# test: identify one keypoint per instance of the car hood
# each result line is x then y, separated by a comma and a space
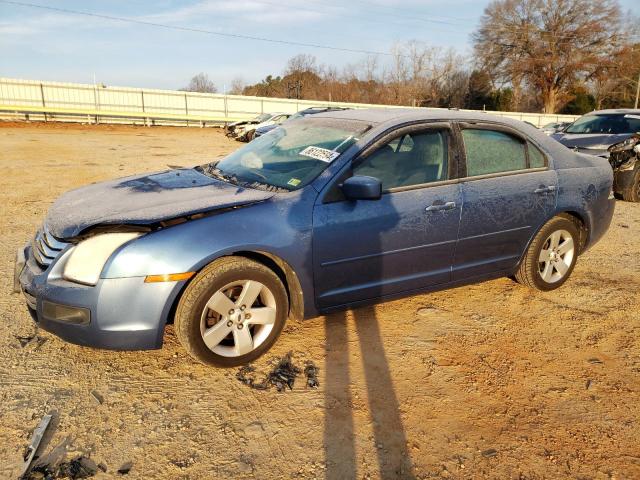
144, 200
241, 122
595, 144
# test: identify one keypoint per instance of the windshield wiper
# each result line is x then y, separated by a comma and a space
215, 172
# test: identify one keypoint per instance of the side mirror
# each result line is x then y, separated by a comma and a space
362, 187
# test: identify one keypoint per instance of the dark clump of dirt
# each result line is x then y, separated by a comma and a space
125, 468
311, 372
282, 375
75, 469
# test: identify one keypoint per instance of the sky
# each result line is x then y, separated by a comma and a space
43, 44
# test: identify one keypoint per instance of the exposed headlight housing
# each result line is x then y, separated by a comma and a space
88, 258
628, 144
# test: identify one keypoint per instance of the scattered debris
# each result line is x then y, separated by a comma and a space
35, 338
595, 360
623, 225
183, 463
246, 374
97, 396
79, 467
311, 372
36, 438
588, 384
282, 375
125, 468
102, 466
491, 452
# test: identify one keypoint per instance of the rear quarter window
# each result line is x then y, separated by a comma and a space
536, 157
489, 151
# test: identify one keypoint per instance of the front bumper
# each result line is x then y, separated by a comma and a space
124, 313
624, 179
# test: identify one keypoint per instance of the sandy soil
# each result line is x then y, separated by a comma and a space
487, 381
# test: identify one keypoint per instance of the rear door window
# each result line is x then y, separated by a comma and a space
490, 151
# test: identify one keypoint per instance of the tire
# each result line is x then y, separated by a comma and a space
251, 135
544, 266
221, 286
632, 194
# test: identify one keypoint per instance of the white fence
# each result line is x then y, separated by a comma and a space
36, 100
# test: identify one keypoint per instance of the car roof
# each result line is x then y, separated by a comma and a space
611, 111
379, 116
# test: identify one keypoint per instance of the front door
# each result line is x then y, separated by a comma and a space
367, 249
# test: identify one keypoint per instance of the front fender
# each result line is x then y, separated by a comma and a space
280, 227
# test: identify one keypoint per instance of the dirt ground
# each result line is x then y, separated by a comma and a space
487, 381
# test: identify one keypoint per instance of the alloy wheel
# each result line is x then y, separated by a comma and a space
238, 318
556, 256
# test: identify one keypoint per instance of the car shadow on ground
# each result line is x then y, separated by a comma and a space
390, 438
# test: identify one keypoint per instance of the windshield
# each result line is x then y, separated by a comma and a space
290, 156
610, 123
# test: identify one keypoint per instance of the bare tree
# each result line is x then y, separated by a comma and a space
547, 43
237, 86
201, 83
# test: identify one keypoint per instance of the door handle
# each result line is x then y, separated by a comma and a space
441, 206
544, 189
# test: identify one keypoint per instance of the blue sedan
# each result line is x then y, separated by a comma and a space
329, 212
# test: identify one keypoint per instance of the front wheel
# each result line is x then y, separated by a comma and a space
232, 312
551, 256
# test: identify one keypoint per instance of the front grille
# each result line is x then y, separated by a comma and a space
46, 247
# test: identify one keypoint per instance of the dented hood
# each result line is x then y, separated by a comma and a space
592, 143
144, 200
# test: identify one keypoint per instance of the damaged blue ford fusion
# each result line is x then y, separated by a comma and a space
327, 212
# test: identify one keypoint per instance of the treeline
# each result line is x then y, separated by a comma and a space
553, 56
562, 56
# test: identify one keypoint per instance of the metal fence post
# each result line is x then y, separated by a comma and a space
95, 101
186, 108
42, 99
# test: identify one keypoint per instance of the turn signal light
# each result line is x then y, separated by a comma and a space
169, 277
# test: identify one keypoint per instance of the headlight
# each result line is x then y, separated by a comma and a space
87, 259
628, 144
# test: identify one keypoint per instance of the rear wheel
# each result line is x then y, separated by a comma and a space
232, 312
632, 194
551, 256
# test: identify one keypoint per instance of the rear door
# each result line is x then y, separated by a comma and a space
508, 192
366, 249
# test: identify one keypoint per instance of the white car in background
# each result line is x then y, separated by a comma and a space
245, 133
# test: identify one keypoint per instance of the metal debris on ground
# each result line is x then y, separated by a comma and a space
282, 375
491, 452
98, 397
311, 372
36, 438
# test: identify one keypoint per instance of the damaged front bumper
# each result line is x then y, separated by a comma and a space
624, 174
116, 313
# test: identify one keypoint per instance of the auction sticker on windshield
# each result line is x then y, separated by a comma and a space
319, 153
